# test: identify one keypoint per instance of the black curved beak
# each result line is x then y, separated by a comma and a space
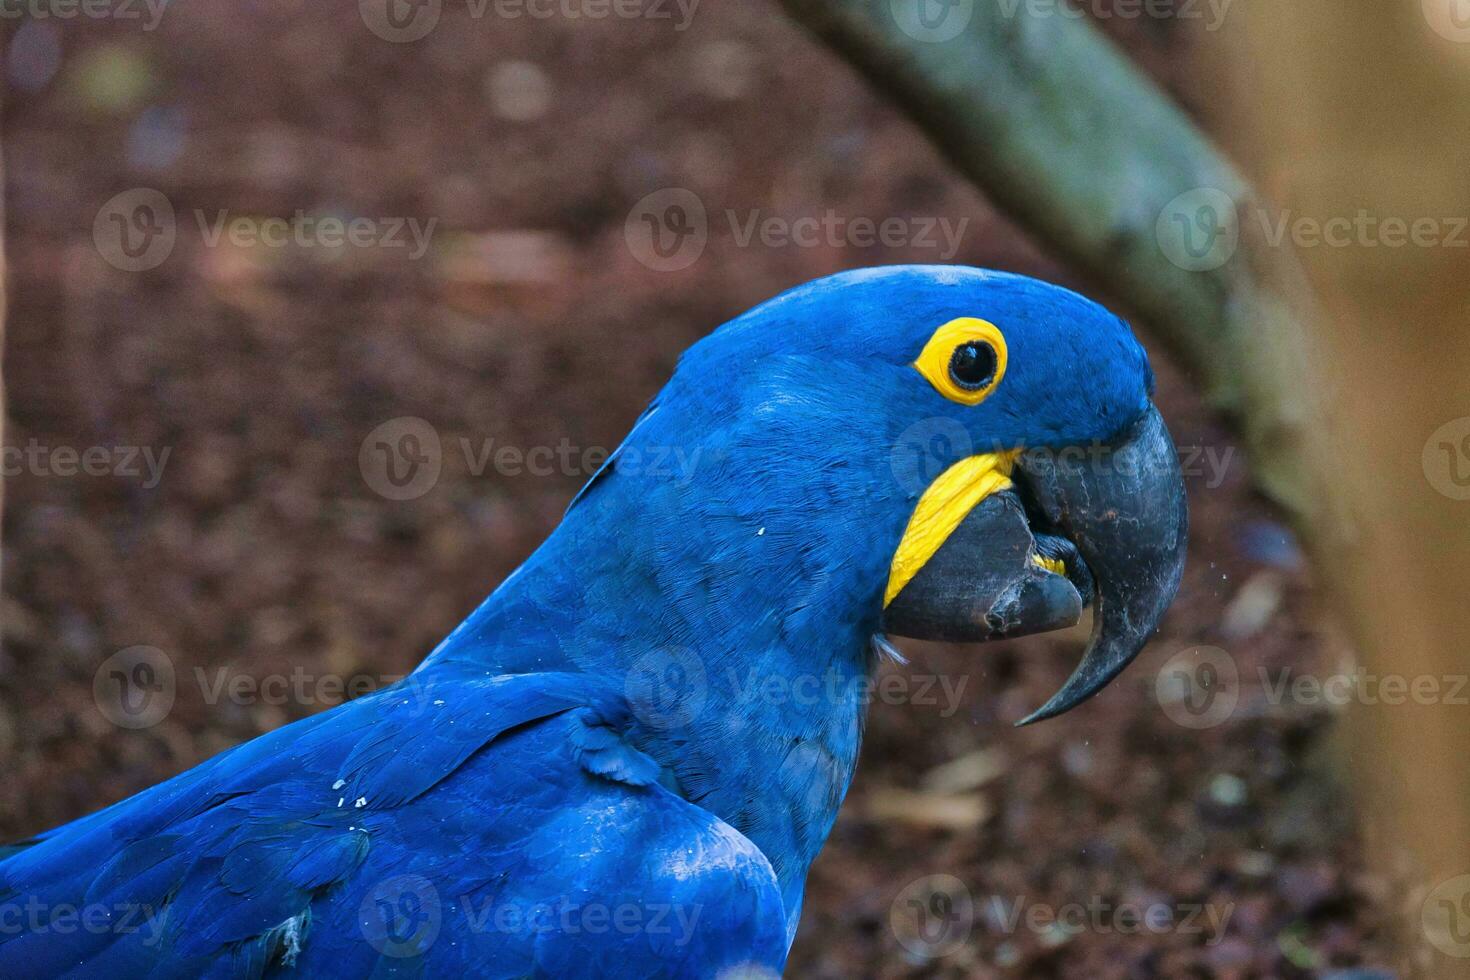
1123, 506
1103, 525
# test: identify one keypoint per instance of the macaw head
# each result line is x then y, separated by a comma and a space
939, 452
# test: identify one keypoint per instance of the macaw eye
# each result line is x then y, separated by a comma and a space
964, 360
972, 364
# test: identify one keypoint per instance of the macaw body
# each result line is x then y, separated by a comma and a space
624, 762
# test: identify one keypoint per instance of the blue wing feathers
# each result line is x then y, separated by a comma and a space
501, 801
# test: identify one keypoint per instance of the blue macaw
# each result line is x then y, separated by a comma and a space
579, 780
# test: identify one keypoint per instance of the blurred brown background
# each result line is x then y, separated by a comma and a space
529, 320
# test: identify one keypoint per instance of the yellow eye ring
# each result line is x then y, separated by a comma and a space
964, 360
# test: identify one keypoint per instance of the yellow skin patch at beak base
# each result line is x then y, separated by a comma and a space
951, 497
1054, 565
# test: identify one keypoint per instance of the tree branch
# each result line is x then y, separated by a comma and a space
1070, 139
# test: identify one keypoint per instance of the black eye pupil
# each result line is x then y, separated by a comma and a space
973, 364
